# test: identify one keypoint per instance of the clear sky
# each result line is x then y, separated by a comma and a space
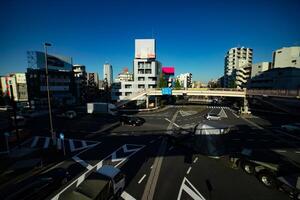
191, 35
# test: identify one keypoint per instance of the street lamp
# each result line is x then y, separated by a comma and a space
53, 136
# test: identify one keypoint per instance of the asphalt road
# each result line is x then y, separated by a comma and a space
156, 168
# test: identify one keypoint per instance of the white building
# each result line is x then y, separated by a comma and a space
286, 57
185, 80
108, 73
19, 86
258, 68
145, 71
237, 61
125, 75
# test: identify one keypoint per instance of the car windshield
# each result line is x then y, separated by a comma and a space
164, 100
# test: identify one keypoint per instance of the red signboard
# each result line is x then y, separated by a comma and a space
168, 70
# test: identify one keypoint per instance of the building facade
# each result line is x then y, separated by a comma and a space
258, 68
146, 70
185, 80
237, 62
17, 82
108, 73
80, 82
286, 57
125, 75
277, 78
61, 80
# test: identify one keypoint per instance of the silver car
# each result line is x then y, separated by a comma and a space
212, 116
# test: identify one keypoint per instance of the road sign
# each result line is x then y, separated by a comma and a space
61, 136
166, 91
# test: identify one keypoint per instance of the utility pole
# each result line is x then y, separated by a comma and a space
53, 136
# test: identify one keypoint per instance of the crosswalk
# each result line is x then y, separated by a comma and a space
71, 145
220, 107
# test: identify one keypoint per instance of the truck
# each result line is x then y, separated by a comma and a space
98, 107
271, 169
106, 183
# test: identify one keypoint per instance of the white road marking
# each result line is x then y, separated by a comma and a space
170, 148
127, 196
142, 179
152, 141
187, 186
188, 171
195, 160
172, 123
47, 141
280, 151
151, 167
83, 142
297, 151
71, 143
82, 162
34, 141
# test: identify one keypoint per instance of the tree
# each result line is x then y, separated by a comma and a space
177, 84
162, 82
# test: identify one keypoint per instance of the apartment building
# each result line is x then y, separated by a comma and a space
286, 57
185, 80
238, 60
146, 70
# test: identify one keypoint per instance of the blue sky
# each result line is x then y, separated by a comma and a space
191, 35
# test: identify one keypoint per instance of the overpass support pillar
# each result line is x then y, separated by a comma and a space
156, 103
245, 108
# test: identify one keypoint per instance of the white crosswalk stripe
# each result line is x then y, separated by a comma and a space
71, 145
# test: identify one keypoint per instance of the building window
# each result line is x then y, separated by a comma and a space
141, 78
128, 93
294, 61
141, 86
141, 71
128, 86
148, 71
279, 51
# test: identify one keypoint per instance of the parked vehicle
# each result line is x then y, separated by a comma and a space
42, 185
293, 128
107, 108
106, 183
131, 120
271, 169
212, 116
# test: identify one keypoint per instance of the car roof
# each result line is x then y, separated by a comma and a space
109, 171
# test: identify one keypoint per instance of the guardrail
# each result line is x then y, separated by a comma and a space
275, 92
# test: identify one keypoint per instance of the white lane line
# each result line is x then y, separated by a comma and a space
142, 179
34, 141
151, 167
82, 162
83, 143
188, 171
58, 143
152, 141
280, 151
297, 151
170, 148
195, 160
172, 123
47, 141
71, 143
284, 133
127, 196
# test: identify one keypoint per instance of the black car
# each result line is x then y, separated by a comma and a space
41, 186
130, 120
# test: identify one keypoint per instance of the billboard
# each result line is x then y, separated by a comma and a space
168, 70
166, 91
145, 48
55, 62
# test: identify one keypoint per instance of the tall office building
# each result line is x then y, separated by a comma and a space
146, 70
237, 70
108, 73
286, 57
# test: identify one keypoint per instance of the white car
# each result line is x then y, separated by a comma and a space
212, 116
295, 127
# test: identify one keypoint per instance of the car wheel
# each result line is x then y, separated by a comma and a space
267, 179
247, 167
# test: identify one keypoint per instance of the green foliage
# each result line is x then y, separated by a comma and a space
162, 82
177, 84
